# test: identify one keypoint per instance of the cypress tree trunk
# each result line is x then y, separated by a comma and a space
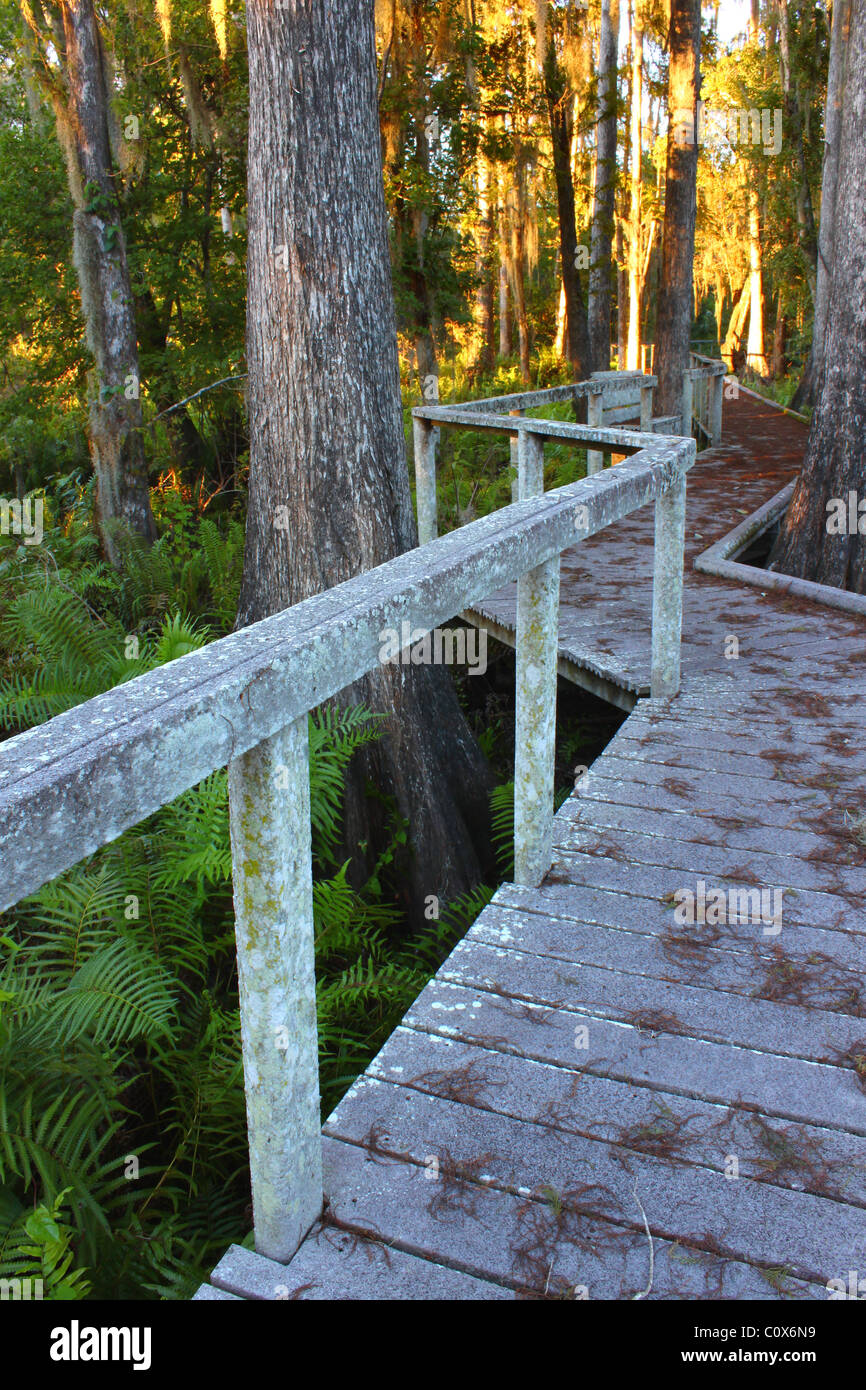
601, 267
99, 252
634, 221
823, 535
674, 321
559, 106
806, 391
327, 442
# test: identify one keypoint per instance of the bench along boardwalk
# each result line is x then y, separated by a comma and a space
595, 1097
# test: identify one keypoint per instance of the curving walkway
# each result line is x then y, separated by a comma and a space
593, 1098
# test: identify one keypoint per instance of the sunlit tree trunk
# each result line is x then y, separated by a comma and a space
674, 319
621, 299
604, 191
506, 345
484, 318
517, 216
755, 355
732, 347
560, 105
634, 225
328, 488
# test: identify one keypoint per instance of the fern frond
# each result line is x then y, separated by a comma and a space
117, 996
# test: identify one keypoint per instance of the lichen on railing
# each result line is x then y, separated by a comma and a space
81, 779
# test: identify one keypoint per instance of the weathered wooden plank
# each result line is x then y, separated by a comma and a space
746, 963
659, 883
499, 1237
687, 1009
788, 1087
562, 1101
335, 1265
746, 868
814, 1237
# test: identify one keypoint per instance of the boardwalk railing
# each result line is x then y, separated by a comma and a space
78, 781
703, 383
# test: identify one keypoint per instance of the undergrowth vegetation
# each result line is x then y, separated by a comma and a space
123, 1148
123, 1160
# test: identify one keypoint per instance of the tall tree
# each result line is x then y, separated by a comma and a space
755, 356
823, 535
674, 317
604, 191
326, 426
560, 109
73, 71
806, 390
636, 157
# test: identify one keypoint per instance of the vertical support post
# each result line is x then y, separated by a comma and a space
424, 435
513, 445
535, 724
595, 420
530, 464
670, 524
269, 809
717, 387
687, 403
646, 408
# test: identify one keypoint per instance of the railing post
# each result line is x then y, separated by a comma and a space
514, 447
646, 408
530, 465
595, 420
535, 723
716, 388
687, 403
670, 522
269, 805
424, 435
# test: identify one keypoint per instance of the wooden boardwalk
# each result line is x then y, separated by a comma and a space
592, 1098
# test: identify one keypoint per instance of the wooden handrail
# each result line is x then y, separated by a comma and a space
78, 781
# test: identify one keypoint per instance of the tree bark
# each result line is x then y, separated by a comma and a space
778, 365
484, 318
559, 107
601, 239
329, 490
516, 213
806, 232
99, 253
806, 391
732, 347
634, 222
755, 356
823, 537
674, 318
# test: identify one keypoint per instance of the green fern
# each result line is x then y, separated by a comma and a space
35, 1250
502, 827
